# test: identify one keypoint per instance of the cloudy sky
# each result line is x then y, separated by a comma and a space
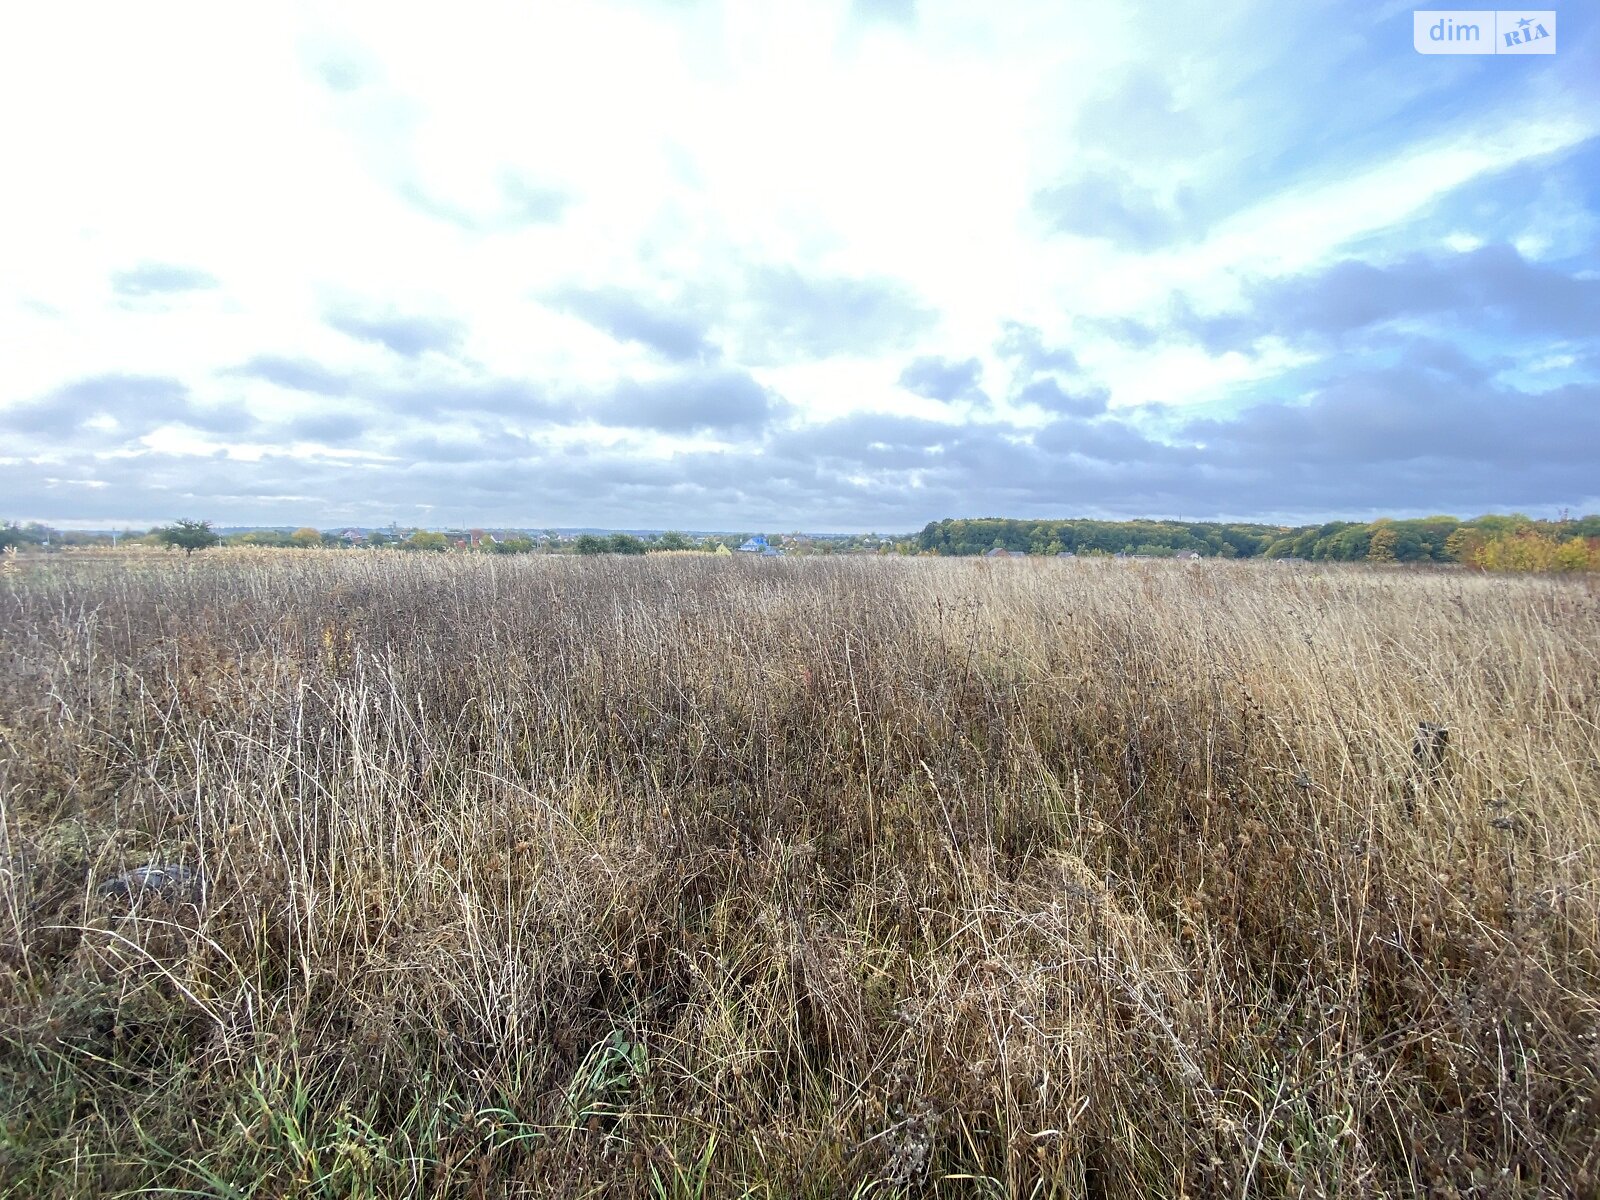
829, 266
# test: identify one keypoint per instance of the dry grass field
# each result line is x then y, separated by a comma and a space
821, 878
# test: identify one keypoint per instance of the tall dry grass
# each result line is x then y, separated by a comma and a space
815, 878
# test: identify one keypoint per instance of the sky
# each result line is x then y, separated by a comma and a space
833, 266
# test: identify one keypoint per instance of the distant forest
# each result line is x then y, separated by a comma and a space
1426, 539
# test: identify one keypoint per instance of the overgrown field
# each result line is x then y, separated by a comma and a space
687, 877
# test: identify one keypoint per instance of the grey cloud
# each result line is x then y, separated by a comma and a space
1420, 437
1130, 332
296, 374
696, 400
992, 467
678, 336
1493, 282
1107, 441
155, 486
895, 472
943, 378
159, 279
1433, 432
794, 317
1433, 354
70, 406
1023, 345
421, 398
1024, 348
1218, 332
227, 420
513, 399
431, 448
1049, 395
869, 439
407, 336
1108, 203
1387, 416
329, 427
592, 485
966, 461
138, 403
1492, 287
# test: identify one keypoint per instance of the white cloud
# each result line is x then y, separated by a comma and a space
466, 166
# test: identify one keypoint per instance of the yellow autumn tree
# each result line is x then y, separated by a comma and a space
1575, 554
1381, 548
1463, 545
1529, 550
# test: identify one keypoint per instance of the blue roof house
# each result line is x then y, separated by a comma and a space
756, 545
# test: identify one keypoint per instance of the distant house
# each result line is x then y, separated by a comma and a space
354, 536
1186, 555
999, 553
1065, 554
756, 545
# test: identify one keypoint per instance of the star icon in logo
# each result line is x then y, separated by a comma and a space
1524, 23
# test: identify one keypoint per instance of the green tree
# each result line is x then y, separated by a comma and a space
426, 539
187, 535
588, 543
1507, 523
511, 545
624, 543
673, 540
1462, 544
12, 534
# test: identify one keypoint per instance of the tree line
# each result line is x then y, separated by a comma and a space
1495, 542
190, 535
1490, 542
